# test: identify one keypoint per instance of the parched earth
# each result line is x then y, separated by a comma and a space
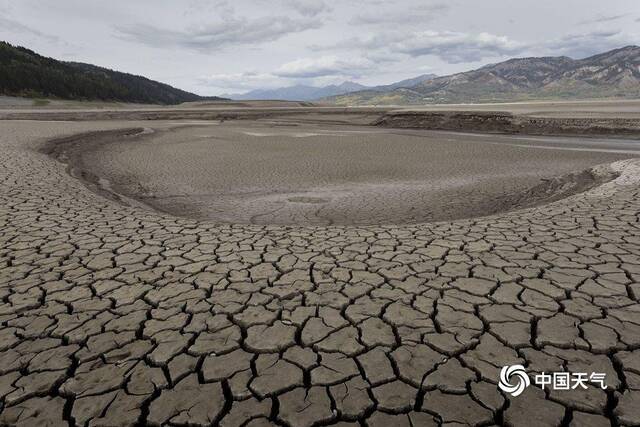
113, 315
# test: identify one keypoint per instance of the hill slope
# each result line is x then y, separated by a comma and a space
25, 73
610, 74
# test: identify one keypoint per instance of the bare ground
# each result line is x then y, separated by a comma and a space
308, 173
123, 316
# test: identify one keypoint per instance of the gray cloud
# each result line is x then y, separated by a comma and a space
450, 46
200, 7
586, 44
9, 25
264, 43
229, 32
456, 47
609, 18
310, 8
602, 19
415, 15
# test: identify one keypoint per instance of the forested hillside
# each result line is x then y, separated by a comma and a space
25, 73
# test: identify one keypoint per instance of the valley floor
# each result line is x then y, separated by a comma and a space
114, 314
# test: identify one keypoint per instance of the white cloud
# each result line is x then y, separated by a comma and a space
241, 81
314, 71
324, 66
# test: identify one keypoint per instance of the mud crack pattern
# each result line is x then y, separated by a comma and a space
115, 316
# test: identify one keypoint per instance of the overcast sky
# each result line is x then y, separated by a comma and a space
220, 46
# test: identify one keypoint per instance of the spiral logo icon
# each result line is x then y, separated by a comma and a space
519, 376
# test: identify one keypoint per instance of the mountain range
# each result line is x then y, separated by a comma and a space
313, 93
613, 74
25, 73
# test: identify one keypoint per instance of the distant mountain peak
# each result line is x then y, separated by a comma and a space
313, 93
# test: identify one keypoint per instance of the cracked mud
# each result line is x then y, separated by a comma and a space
113, 315
275, 172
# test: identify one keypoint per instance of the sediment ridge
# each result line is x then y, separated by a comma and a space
503, 122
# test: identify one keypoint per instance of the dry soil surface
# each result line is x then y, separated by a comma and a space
117, 315
274, 172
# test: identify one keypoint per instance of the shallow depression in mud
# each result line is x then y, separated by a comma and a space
319, 174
